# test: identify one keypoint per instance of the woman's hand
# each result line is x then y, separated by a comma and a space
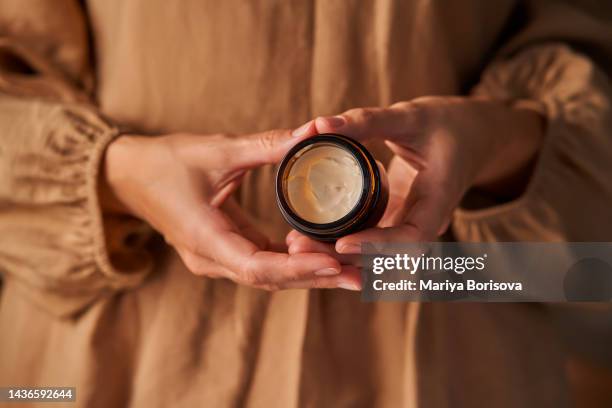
181, 185
443, 146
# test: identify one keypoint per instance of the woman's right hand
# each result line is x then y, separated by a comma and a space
181, 185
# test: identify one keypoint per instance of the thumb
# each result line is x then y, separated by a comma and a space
426, 208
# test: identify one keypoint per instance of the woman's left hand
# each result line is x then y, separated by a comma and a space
443, 146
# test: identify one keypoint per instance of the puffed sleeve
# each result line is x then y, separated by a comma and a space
557, 66
56, 247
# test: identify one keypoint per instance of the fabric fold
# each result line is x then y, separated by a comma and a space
574, 97
52, 236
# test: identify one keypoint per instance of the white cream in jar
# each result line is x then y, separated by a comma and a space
329, 186
324, 183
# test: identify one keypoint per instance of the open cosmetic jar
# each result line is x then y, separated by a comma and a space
329, 186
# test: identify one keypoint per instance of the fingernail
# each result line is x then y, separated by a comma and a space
327, 272
302, 130
349, 286
350, 249
334, 121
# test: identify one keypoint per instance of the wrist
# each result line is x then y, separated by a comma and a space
115, 168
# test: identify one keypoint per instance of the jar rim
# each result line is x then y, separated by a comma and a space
369, 192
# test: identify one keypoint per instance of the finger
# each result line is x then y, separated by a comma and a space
430, 215
306, 130
403, 149
426, 214
394, 211
270, 147
349, 279
251, 265
277, 268
293, 234
229, 153
244, 225
401, 176
428, 206
202, 266
351, 244
260, 148
229, 186
368, 123
305, 244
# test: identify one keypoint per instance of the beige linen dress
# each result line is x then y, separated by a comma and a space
88, 301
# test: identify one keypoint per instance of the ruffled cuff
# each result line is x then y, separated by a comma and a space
569, 192
53, 245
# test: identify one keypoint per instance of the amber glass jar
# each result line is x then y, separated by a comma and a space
329, 186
